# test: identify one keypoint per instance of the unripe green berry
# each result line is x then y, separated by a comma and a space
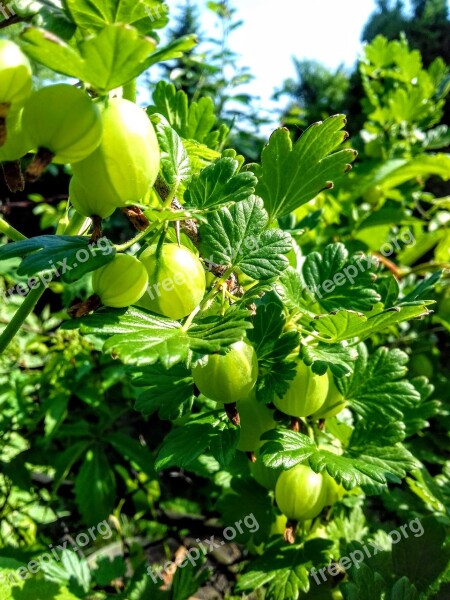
121, 282
176, 281
125, 165
15, 75
87, 203
230, 377
64, 121
334, 402
306, 393
17, 142
300, 493
255, 419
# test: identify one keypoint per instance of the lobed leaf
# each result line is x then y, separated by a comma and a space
293, 175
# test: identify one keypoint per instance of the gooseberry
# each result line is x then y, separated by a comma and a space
255, 419
334, 402
18, 142
63, 124
230, 377
126, 163
263, 475
306, 393
88, 203
120, 282
300, 493
176, 280
15, 82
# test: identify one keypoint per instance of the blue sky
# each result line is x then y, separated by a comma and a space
275, 30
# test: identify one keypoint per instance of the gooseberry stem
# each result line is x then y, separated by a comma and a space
27, 305
21, 314
137, 238
10, 231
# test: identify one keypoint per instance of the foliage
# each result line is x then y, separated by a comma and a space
103, 430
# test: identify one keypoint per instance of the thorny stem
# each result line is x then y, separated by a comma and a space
137, 238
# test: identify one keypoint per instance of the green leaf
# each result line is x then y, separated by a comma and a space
403, 589
174, 49
72, 571
110, 59
377, 390
95, 487
47, 15
114, 57
194, 121
245, 498
407, 555
415, 417
139, 337
422, 166
437, 138
170, 392
337, 283
366, 583
109, 569
133, 451
175, 163
273, 345
336, 357
368, 433
372, 465
51, 51
219, 184
285, 569
238, 237
424, 288
183, 445
69, 257
347, 324
146, 15
285, 449
188, 580
294, 175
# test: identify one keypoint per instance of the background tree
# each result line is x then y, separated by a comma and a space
316, 93
427, 28
214, 70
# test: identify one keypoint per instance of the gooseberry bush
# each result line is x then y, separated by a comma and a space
222, 339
